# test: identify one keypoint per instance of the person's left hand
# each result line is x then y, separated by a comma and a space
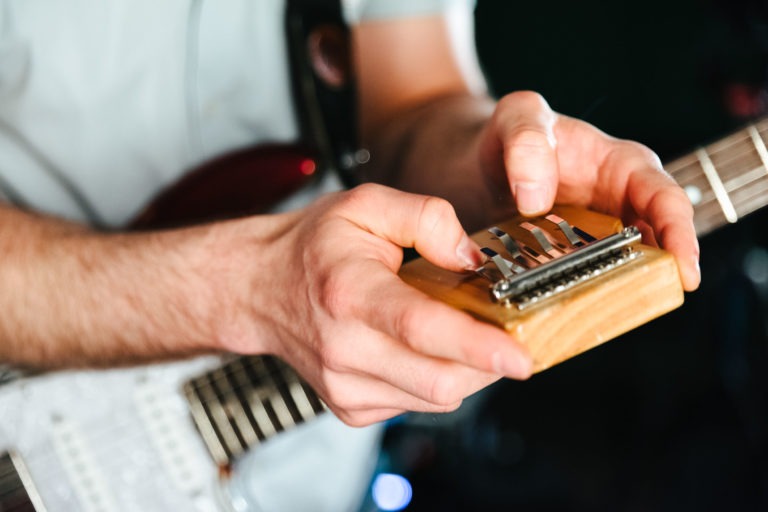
547, 157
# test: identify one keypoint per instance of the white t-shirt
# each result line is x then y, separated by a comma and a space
111, 101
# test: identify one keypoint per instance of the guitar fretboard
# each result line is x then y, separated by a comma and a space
246, 401
726, 180
16, 490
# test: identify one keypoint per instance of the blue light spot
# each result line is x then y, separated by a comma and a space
391, 492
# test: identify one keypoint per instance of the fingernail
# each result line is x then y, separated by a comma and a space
697, 268
531, 197
469, 252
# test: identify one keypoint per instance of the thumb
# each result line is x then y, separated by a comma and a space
425, 223
525, 131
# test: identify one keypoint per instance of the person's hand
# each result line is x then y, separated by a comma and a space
331, 304
543, 157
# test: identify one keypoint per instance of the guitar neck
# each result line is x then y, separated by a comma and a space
726, 180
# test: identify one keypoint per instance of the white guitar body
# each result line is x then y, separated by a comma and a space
110, 440
124, 440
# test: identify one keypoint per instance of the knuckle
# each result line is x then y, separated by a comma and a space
359, 196
644, 152
435, 212
337, 396
330, 356
326, 356
529, 140
336, 296
405, 324
638, 155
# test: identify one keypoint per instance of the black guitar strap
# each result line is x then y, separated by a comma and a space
323, 84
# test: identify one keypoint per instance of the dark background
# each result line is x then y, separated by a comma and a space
674, 415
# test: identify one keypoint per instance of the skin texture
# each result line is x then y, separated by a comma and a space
318, 286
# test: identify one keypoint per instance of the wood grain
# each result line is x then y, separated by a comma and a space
579, 319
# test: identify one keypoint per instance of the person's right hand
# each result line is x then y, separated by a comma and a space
327, 299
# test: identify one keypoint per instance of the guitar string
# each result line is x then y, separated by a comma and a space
701, 183
700, 178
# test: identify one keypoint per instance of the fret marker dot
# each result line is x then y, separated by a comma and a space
694, 194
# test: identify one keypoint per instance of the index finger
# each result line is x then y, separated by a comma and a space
658, 200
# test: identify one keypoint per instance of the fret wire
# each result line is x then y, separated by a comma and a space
734, 164
242, 421
715, 149
717, 186
254, 371
725, 146
728, 142
313, 398
277, 400
245, 383
759, 143
266, 403
259, 407
303, 405
690, 175
749, 135
263, 419
743, 182
220, 383
204, 425
284, 384
274, 366
201, 414
218, 416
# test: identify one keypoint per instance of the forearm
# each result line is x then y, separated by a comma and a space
434, 150
73, 297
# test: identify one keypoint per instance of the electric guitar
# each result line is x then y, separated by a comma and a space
173, 436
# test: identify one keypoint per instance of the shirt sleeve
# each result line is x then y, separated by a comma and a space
356, 11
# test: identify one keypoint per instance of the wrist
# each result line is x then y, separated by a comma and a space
237, 264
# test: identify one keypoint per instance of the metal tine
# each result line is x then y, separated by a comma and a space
513, 248
584, 235
532, 253
561, 223
509, 243
507, 268
543, 240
